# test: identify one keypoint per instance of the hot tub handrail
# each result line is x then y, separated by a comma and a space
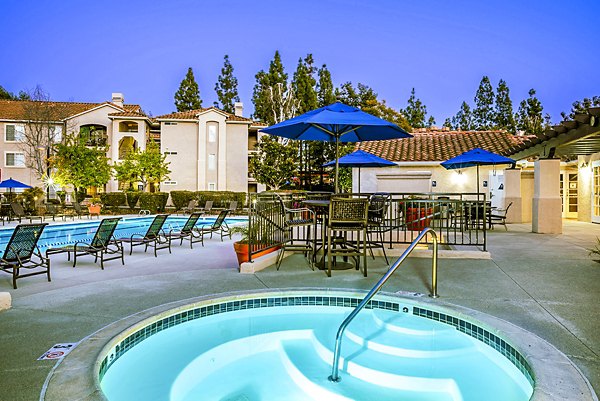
338, 338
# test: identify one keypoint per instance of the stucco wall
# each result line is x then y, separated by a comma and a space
180, 138
237, 157
527, 189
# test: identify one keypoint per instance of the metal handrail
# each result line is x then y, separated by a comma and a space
338, 338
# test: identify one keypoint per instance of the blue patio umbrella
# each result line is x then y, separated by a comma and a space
360, 158
10, 184
337, 123
476, 157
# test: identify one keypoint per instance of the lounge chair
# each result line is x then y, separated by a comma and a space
188, 232
498, 216
19, 251
192, 205
220, 226
154, 236
232, 207
102, 244
207, 207
79, 211
51, 210
19, 213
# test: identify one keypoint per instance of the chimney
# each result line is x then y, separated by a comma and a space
239, 109
117, 98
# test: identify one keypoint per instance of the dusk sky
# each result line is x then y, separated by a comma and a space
85, 50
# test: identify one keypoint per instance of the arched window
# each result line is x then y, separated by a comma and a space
128, 126
94, 134
127, 145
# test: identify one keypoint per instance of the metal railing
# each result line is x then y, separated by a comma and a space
265, 224
340, 333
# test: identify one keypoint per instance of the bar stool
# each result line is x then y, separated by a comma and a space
296, 221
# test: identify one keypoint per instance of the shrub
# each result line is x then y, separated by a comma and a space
154, 201
181, 199
221, 199
113, 199
132, 198
61, 196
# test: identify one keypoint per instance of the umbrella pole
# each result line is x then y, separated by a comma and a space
478, 182
337, 163
359, 180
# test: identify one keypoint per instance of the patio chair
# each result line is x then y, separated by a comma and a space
19, 213
346, 216
190, 207
79, 211
187, 231
378, 207
207, 207
297, 227
21, 248
104, 243
220, 226
154, 236
498, 216
233, 205
51, 210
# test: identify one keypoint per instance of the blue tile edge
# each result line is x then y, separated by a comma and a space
313, 300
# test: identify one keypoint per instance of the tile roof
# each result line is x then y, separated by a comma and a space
16, 109
128, 114
443, 145
193, 115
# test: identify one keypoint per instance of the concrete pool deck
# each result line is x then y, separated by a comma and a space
546, 284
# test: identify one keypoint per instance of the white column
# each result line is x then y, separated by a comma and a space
547, 205
512, 193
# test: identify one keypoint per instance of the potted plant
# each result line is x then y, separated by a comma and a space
250, 235
94, 206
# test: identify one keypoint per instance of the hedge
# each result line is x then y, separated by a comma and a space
221, 199
154, 201
132, 198
181, 199
113, 199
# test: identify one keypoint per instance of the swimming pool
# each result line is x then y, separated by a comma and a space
55, 235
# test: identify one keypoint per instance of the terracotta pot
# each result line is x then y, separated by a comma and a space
94, 209
242, 252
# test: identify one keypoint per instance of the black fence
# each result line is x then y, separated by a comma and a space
460, 219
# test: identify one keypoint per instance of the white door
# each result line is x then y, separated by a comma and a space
496, 187
569, 193
596, 191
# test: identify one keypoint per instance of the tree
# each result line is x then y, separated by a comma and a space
80, 165
227, 88
463, 120
269, 91
274, 163
187, 96
325, 92
44, 125
304, 84
483, 113
529, 117
416, 112
22, 95
503, 115
581, 106
147, 167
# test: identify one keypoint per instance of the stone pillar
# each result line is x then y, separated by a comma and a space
512, 193
547, 205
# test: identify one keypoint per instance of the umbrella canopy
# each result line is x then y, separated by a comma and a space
10, 183
476, 157
337, 123
360, 158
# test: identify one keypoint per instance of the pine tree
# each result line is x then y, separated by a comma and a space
529, 117
503, 115
227, 88
416, 112
266, 82
581, 106
304, 85
463, 120
325, 92
483, 113
447, 123
187, 96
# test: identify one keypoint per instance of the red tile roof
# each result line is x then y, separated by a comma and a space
193, 115
443, 145
16, 109
128, 114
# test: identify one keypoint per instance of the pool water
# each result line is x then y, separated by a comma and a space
67, 234
285, 353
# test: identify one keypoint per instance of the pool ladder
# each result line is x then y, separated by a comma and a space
340, 333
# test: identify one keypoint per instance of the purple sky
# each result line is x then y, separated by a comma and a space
83, 51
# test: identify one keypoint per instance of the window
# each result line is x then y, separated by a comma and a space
14, 132
170, 123
56, 133
212, 132
212, 162
170, 182
128, 126
212, 186
14, 159
170, 153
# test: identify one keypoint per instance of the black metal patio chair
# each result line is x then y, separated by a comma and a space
154, 237
104, 243
187, 232
377, 226
297, 231
19, 213
22, 252
220, 226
